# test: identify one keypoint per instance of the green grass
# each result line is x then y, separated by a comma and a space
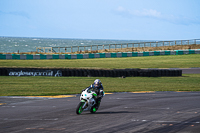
36, 86
32, 86
169, 61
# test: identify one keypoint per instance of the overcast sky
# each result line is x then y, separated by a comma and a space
101, 19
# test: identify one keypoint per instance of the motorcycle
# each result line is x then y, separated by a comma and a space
87, 101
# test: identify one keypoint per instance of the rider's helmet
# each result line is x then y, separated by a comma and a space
97, 83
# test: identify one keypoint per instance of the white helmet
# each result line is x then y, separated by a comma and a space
97, 83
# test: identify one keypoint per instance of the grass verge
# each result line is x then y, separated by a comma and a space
41, 86
169, 61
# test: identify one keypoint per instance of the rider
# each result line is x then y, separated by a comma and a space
98, 88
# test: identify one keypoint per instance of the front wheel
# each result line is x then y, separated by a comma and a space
79, 108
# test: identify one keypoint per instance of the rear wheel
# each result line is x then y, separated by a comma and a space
79, 108
93, 109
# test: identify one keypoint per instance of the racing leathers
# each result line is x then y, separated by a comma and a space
98, 91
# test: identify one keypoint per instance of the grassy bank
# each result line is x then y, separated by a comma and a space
130, 49
32, 86
169, 61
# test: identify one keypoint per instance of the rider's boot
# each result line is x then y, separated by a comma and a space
98, 101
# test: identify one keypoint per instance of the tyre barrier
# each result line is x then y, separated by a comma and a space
96, 55
89, 72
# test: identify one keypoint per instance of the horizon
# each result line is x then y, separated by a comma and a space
101, 20
98, 39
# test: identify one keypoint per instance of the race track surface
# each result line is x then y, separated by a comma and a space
156, 112
190, 70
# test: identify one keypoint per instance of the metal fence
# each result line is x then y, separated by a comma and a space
90, 48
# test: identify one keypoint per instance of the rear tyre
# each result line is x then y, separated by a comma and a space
93, 109
79, 108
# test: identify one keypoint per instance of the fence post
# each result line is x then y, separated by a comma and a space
121, 46
115, 46
71, 49
91, 48
103, 47
78, 48
175, 43
97, 47
163, 43
109, 46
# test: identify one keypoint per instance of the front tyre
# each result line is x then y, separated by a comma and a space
79, 108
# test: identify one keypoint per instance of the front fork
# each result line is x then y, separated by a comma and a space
85, 102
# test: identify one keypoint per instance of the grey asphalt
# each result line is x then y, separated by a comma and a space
157, 112
190, 70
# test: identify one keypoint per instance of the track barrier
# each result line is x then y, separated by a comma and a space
97, 55
89, 72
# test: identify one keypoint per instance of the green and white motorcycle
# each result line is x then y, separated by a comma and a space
87, 102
